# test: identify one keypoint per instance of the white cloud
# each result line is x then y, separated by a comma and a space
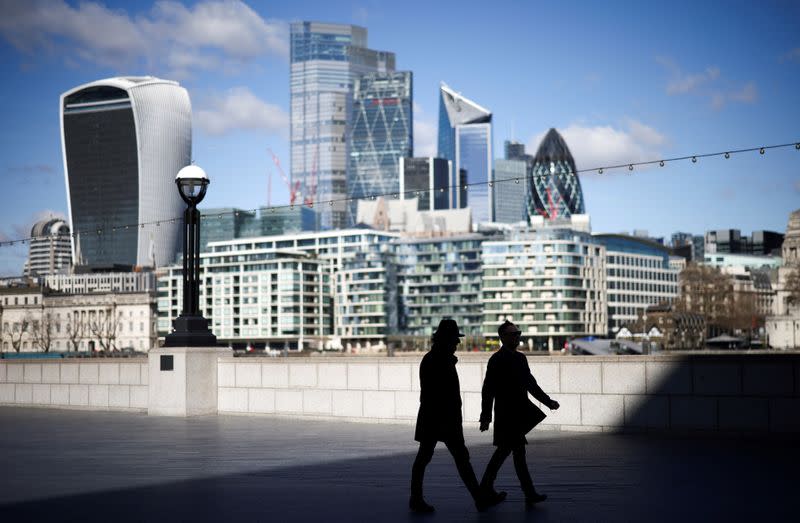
792, 56
170, 35
605, 145
425, 137
687, 83
238, 108
708, 84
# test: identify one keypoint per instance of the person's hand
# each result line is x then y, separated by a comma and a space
554, 405
484, 426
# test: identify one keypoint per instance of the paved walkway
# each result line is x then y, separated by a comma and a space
98, 466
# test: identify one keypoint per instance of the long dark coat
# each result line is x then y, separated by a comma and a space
439, 417
508, 382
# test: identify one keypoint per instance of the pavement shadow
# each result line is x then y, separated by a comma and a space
600, 477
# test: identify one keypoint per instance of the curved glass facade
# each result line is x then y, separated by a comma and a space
554, 188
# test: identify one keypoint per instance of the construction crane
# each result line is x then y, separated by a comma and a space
294, 190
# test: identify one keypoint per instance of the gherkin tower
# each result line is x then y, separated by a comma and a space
554, 190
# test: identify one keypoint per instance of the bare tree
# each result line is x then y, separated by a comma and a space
104, 325
706, 291
76, 329
42, 330
15, 332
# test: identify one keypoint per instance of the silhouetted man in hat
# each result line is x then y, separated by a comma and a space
439, 417
507, 384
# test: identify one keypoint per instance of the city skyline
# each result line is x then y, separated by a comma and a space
689, 86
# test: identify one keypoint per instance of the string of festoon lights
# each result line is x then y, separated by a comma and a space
694, 158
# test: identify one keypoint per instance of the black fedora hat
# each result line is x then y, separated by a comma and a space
448, 328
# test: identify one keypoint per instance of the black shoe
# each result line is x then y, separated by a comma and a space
418, 505
532, 499
489, 499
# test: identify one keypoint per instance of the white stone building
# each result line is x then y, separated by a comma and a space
36, 319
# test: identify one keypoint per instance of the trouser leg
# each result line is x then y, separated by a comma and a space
521, 466
424, 456
496, 461
461, 456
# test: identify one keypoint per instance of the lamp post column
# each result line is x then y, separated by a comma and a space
190, 329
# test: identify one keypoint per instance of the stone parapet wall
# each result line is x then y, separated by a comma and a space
96, 384
730, 393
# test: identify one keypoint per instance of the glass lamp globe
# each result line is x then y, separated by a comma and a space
192, 182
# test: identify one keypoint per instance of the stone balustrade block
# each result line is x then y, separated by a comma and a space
624, 378
98, 395
119, 396
23, 394
248, 374
275, 375
332, 376
349, 403
129, 374
41, 394
32, 373
394, 376
750, 414
7, 391
289, 401
51, 373
605, 410
69, 372
716, 379
226, 374
79, 395
546, 374
362, 376
470, 376
406, 404
317, 402
232, 399
693, 412
15, 373
88, 373
379, 405
302, 375
139, 397
109, 374
765, 379
261, 401
668, 377
59, 394
581, 378
647, 411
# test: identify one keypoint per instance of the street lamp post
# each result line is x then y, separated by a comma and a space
190, 329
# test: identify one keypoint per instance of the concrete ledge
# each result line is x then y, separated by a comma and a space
33, 373
332, 376
396, 376
717, 379
581, 378
624, 378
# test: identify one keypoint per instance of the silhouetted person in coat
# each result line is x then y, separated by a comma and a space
508, 382
439, 417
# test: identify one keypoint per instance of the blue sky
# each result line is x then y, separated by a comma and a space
622, 81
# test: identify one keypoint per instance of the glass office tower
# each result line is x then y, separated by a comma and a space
381, 134
465, 138
424, 179
326, 59
509, 190
554, 188
124, 140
